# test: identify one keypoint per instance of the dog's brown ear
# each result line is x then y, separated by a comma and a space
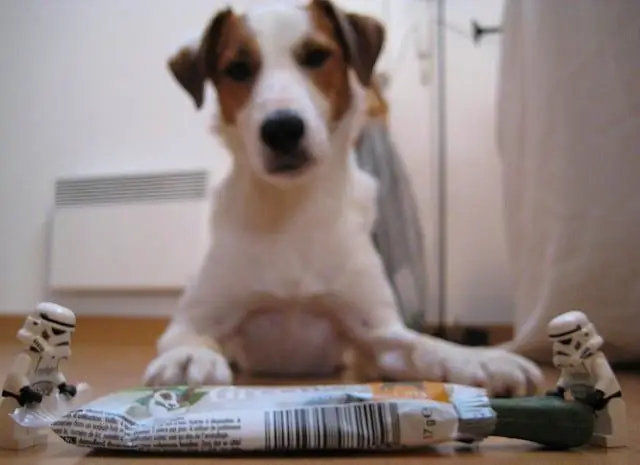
361, 37
189, 66
186, 69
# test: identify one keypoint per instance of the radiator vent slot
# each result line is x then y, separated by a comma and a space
163, 187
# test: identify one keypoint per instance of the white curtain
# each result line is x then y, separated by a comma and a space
569, 140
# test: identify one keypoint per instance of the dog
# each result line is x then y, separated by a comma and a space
292, 280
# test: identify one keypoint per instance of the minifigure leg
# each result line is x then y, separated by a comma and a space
22, 438
38, 436
611, 425
12, 435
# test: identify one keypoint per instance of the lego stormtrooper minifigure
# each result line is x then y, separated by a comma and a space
34, 375
587, 375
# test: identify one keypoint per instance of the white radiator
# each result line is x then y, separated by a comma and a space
129, 233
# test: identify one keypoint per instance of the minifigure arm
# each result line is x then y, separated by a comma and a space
60, 379
561, 386
562, 380
17, 377
28, 339
63, 387
605, 378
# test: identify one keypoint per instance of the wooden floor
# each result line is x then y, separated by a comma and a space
108, 368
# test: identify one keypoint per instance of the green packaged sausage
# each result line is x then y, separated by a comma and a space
549, 421
383, 416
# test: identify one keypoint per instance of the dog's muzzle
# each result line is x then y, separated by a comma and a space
282, 131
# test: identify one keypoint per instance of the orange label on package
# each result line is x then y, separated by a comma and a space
410, 390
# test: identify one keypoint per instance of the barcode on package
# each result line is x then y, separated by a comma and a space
352, 426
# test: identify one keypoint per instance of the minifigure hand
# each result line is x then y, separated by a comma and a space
595, 399
29, 396
43, 347
557, 392
67, 389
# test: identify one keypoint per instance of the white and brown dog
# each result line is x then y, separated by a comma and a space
292, 279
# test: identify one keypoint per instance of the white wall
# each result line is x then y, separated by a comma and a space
86, 91
478, 279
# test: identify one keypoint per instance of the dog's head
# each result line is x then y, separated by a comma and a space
289, 81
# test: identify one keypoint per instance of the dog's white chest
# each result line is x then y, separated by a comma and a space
288, 280
289, 342
295, 268
287, 331
282, 284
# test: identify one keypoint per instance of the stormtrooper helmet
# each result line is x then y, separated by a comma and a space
168, 400
574, 337
48, 329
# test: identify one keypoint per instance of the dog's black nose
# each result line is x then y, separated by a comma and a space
282, 131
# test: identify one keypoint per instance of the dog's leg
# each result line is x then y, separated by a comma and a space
188, 351
370, 317
187, 357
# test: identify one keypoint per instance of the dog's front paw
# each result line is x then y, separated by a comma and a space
501, 372
193, 366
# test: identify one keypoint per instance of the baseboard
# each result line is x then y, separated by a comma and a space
144, 331
99, 330
492, 334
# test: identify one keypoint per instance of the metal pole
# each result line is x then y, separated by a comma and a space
442, 167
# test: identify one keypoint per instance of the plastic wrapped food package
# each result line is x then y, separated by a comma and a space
379, 416
226, 419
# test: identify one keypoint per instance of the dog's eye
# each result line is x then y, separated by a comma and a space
315, 57
239, 71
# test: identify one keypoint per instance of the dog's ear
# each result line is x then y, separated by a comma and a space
361, 37
189, 65
186, 69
